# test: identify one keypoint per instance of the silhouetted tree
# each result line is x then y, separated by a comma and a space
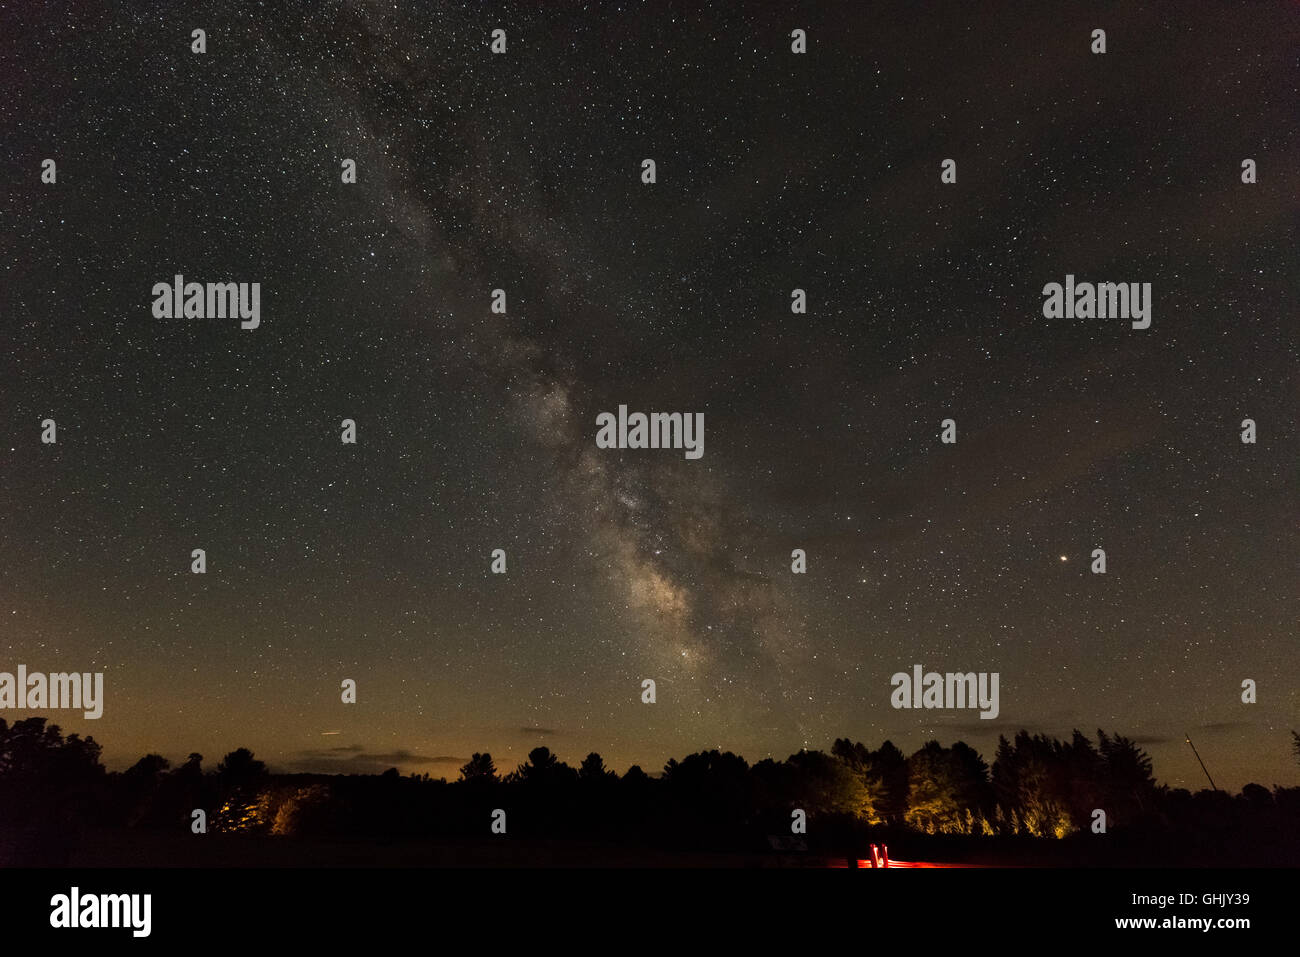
593, 769
240, 768
185, 789
635, 787
479, 769
709, 794
856, 755
1039, 785
888, 768
49, 788
1130, 786
142, 783
1084, 778
970, 777
1257, 797
543, 767
148, 768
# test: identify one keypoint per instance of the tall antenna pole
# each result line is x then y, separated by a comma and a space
1199, 761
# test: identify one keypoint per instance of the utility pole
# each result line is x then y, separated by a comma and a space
1199, 761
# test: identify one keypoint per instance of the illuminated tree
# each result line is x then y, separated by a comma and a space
1030, 784
946, 789
828, 783
243, 807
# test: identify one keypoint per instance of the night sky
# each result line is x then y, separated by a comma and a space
475, 431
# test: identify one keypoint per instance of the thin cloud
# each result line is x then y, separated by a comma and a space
354, 759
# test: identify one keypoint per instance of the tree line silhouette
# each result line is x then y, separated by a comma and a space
53, 788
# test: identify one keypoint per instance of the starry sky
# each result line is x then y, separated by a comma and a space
476, 430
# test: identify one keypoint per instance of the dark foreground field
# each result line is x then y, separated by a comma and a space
104, 847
